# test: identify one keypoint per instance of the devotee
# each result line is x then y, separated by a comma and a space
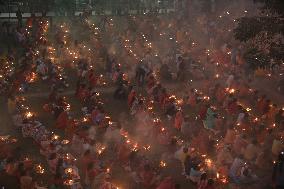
278, 172
26, 181
96, 138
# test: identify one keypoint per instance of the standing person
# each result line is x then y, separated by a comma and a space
140, 74
278, 172
19, 15
180, 69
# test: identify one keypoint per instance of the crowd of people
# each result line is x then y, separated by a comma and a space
188, 115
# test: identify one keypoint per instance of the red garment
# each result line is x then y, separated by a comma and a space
91, 174
123, 153
85, 161
151, 83
233, 108
70, 129
62, 120
83, 93
178, 120
131, 98
167, 183
93, 81
147, 177
202, 112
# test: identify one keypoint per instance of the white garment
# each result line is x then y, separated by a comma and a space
92, 132
240, 118
229, 81
41, 68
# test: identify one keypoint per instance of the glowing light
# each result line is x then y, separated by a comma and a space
29, 115
163, 164
39, 169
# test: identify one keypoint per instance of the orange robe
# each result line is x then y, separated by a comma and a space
62, 120
178, 120
131, 97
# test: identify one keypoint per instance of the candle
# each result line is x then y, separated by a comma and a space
29, 115
69, 182
163, 164
69, 171
39, 169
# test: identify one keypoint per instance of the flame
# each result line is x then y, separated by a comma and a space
69, 171
29, 115
163, 164
39, 169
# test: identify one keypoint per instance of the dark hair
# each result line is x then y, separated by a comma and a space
90, 166
52, 156
147, 167
203, 176
177, 186
185, 150
87, 152
210, 182
281, 161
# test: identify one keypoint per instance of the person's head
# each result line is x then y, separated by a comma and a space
52, 156
203, 176
281, 157
254, 142
87, 153
210, 182
195, 167
90, 166
10, 160
60, 162
147, 167
185, 150
246, 172
186, 118
177, 186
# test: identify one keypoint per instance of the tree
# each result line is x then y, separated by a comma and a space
263, 34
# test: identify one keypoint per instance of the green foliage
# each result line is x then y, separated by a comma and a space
263, 34
247, 28
273, 6
256, 59
250, 27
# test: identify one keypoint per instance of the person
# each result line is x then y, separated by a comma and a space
203, 182
185, 126
277, 146
85, 161
210, 184
224, 156
181, 69
188, 163
240, 172
147, 176
91, 173
239, 144
165, 72
140, 73
11, 105
195, 174
167, 183
278, 172
178, 120
279, 117
62, 120
230, 135
251, 151
19, 17
182, 156
209, 122
26, 181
